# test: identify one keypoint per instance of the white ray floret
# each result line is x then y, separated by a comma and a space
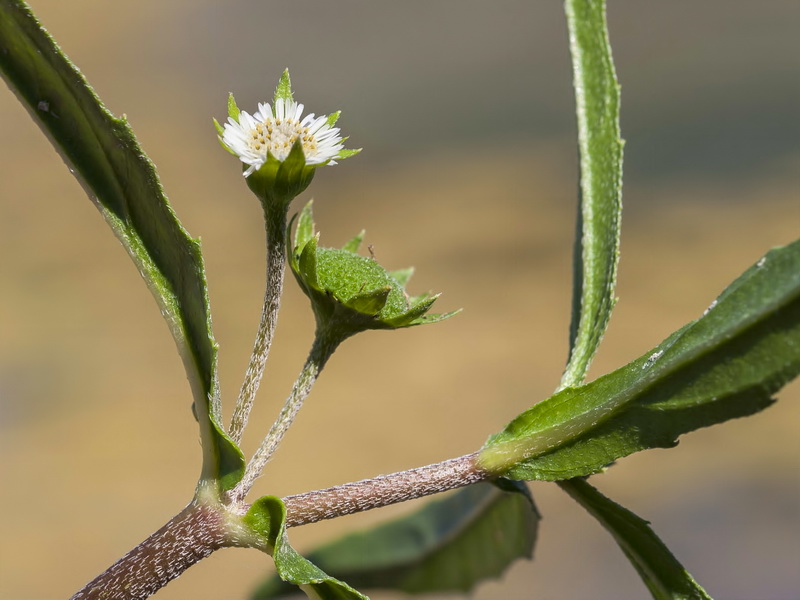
273, 130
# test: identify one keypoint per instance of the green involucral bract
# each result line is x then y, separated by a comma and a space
267, 519
277, 183
351, 293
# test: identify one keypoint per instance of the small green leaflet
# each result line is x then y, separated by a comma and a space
267, 518
449, 545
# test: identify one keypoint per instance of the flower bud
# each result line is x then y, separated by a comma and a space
351, 293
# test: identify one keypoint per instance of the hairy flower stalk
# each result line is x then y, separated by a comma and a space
280, 150
377, 492
276, 255
201, 529
349, 294
321, 351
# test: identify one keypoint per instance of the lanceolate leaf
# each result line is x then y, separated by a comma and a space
448, 546
600, 206
600, 149
595, 266
661, 572
105, 156
267, 518
726, 364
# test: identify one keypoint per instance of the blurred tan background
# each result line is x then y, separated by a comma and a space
465, 113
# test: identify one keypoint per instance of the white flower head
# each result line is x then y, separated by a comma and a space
274, 129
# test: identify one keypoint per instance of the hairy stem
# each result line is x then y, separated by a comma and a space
190, 536
383, 490
200, 529
275, 223
321, 351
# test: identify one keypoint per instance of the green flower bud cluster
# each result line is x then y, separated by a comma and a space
350, 293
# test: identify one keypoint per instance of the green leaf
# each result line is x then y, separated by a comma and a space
267, 518
103, 153
600, 146
595, 271
661, 572
450, 545
726, 364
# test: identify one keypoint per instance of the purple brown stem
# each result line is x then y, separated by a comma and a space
186, 539
275, 223
200, 529
383, 490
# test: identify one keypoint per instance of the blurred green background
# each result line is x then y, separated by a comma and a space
465, 113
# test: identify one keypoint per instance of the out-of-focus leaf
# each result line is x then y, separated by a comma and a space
448, 545
726, 364
267, 518
600, 149
103, 153
661, 572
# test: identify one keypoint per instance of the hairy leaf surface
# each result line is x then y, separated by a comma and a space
726, 364
600, 151
104, 155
